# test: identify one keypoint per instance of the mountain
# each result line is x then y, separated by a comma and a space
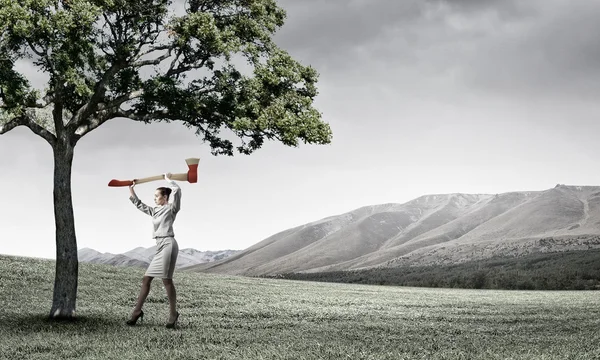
432, 229
142, 256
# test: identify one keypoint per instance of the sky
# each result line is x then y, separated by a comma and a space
423, 97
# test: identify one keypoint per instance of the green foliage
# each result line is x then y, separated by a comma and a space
136, 59
572, 270
14, 93
60, 40
231, 317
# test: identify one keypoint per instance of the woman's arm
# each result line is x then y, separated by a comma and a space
138, 203
176, 204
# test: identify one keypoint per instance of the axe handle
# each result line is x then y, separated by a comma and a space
180, 177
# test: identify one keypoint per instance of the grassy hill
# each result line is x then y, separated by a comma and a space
230, 317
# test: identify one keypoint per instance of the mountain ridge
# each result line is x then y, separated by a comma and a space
430, 229
142, 257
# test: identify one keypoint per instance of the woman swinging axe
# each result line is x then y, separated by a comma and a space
163, 264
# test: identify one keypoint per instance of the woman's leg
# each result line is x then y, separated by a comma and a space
172, 295
144, 291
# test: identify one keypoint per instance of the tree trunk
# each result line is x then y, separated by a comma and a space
67, 264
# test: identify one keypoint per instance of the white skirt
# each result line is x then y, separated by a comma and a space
163, 263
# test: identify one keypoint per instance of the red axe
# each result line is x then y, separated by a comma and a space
191, 176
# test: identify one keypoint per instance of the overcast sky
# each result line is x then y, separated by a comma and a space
423, 97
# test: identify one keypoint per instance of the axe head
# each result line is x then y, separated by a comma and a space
192, 164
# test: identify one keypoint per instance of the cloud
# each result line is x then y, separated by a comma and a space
329, 27
507, 48
507, 9
323, 31
323, 25
535, 48
553, 54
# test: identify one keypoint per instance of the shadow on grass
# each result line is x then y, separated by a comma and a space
32, 323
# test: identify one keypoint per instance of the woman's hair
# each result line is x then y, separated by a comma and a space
165, 191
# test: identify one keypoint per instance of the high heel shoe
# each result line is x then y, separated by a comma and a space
171, 325
140, 316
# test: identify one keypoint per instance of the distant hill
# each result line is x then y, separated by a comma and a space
142, 256
432, 229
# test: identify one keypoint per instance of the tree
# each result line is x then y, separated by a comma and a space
138, 60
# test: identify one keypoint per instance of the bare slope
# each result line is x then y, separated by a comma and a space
570, 214
430, 229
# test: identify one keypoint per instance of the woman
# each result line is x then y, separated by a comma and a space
167, 249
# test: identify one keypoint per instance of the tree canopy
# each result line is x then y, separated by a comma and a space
142, 60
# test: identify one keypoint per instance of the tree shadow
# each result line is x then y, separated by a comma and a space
32, 323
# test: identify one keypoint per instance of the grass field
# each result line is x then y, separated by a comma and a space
227, 317
561, 270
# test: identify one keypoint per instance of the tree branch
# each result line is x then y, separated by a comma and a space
144, 40
130, 114
120, 100
157, 48
152, 62
18, 121
38, 130
179, 52
25, 120
181, 69
43, 54
90, 125
106, 113
88, 109
112, 30
36, 51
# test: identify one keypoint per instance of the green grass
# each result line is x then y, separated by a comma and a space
228, 317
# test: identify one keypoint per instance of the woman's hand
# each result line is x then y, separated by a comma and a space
167, 176
131, 191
